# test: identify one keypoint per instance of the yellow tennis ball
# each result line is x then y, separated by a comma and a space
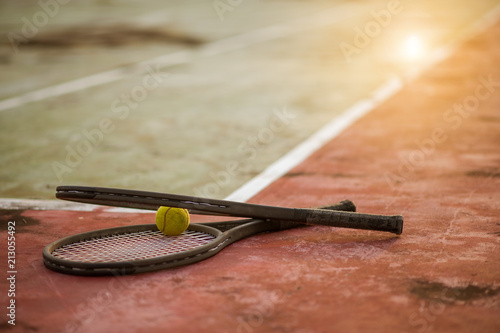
172, 221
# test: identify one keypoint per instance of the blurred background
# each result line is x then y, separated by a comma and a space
194, 97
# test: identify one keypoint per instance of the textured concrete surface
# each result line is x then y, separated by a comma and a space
429, 153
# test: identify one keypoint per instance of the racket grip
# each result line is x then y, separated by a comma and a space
352, 220
344, 205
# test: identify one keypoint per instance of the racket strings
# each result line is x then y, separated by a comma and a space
131, 246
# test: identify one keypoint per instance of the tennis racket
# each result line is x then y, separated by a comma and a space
195, 205
143, 248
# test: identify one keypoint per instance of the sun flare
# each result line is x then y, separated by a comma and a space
413, 47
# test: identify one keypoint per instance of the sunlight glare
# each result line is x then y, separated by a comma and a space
413, 48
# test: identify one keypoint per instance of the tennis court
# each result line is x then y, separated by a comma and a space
391, 104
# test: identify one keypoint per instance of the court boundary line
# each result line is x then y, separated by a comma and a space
316, 141
296, 155
224, 45
47, 204
335, 127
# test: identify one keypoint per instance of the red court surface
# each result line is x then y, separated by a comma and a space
430, 153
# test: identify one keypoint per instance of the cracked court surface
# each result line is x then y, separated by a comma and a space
428, 151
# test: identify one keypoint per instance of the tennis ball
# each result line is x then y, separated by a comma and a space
172, 221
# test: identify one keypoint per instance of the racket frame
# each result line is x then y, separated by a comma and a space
221, 240
153, 200
224, 233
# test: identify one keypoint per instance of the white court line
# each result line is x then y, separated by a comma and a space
35, 204
244, 40
350, 116
312, 144
303, 150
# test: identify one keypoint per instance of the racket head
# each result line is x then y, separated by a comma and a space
143, 248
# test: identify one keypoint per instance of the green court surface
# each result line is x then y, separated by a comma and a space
194, 97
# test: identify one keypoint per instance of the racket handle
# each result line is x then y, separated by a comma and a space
351, 220
344, 205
